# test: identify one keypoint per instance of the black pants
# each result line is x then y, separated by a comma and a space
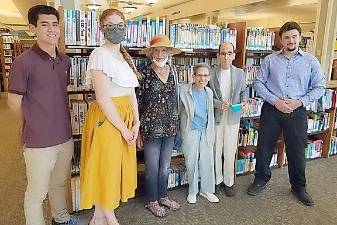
294, 127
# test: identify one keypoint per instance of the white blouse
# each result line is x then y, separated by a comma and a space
122, 77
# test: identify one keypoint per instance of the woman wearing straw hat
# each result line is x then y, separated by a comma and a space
158, 107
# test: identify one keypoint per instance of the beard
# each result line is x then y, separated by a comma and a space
291, 48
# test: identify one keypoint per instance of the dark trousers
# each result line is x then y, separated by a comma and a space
157, 154
294, 128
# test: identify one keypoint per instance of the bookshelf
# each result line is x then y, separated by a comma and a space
9, 50
80, 34
247, 57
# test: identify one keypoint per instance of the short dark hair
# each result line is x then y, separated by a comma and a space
291, 25
35, 11
228, 43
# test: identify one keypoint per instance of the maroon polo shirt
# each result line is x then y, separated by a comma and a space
42, 81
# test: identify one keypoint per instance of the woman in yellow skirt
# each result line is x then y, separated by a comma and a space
108, 157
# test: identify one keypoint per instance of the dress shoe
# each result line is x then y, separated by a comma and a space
229, 191
303, 197
256, 187
218, 188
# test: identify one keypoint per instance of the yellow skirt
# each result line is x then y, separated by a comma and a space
108, 165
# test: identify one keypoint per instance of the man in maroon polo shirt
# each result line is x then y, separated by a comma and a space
37, 93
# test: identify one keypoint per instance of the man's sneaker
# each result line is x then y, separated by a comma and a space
229, 191
72, 221
256, 187
191, 199
209, 196
303, 197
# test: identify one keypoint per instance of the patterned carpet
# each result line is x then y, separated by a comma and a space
275, 205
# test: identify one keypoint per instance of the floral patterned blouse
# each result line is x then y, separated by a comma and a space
158, 104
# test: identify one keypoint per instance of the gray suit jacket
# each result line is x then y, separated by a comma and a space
238, 93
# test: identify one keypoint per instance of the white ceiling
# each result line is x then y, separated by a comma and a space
11, 11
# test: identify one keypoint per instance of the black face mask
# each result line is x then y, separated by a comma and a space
114, 35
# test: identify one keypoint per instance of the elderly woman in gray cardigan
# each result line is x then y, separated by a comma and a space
198, 134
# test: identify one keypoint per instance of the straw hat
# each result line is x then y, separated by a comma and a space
160, 41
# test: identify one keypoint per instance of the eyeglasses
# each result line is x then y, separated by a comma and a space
226, 53
119, 26
206, 76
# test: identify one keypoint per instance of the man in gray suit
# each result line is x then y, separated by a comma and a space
228, 84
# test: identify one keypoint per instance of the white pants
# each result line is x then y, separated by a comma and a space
199, 162
47, 170
226, 144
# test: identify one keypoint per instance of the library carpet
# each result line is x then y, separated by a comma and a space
274, 206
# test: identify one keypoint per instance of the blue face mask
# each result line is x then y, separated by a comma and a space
114, 34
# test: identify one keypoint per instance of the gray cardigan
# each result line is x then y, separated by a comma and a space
238, 93
187, 109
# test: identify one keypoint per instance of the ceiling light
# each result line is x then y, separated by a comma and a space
93, 5
151, 2
129, 9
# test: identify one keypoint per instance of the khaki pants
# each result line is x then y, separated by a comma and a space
47, 170
226, 143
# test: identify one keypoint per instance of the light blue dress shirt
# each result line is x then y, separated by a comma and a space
300, 77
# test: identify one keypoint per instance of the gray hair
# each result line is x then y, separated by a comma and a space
200, 65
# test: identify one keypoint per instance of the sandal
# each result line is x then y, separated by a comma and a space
169, 203
156, 209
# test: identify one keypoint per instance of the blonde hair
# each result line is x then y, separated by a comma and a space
125, 54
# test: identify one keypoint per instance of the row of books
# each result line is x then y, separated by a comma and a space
333, 146
307, 44
251, 92
313, 149
253, 61
78, 109
140, 31
253, 107
197, 36
193, 60
327, 101
177, 176
247, 161
82, 28
318, 122
251, 73
185, 73
259, 38
78, 73
248, 134
184, 66
141, 62
75, 165
6, 46
8, 59
9, 38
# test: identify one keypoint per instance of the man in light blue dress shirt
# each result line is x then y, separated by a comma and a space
288, 80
